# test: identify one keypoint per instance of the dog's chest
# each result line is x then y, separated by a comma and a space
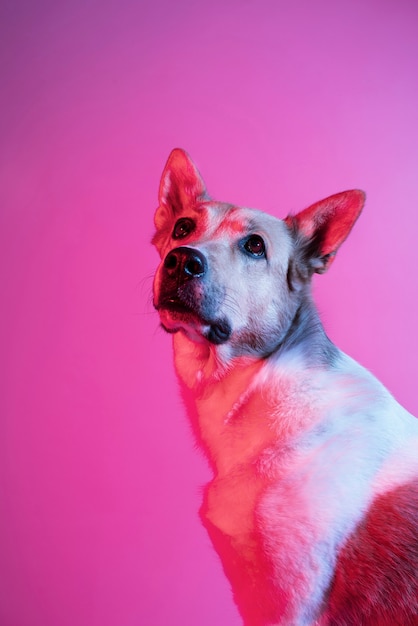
282, 429
253, 439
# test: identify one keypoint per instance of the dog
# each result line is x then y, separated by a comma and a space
313, 506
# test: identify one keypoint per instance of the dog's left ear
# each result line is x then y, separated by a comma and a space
181, 187
323, 227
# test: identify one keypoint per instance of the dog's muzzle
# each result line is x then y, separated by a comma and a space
184, 293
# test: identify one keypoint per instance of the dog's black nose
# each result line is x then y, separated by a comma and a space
185, 263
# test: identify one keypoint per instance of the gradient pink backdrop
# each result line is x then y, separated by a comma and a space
280, 104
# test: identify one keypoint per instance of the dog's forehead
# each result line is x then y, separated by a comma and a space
231, 220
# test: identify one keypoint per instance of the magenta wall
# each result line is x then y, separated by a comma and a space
280, 104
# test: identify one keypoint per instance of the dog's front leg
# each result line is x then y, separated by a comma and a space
303, 519
278, 561
300, 571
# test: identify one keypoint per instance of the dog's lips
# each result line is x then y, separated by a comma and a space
219, 332
177, 307
175, 314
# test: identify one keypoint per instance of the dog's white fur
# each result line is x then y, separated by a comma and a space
312, 457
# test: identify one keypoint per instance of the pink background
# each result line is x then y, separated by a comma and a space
280, 104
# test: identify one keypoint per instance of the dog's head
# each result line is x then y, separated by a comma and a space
234, 276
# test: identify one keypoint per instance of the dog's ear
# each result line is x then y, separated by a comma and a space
181, 187
321, 228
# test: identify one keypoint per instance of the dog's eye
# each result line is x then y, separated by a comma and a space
183, 227
255, 246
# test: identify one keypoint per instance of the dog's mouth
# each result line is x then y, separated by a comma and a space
175, 315
176, 306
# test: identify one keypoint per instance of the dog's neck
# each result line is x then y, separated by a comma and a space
216, 385
307, 336
201, 363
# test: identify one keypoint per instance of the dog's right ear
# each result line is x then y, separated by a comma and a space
181, 187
